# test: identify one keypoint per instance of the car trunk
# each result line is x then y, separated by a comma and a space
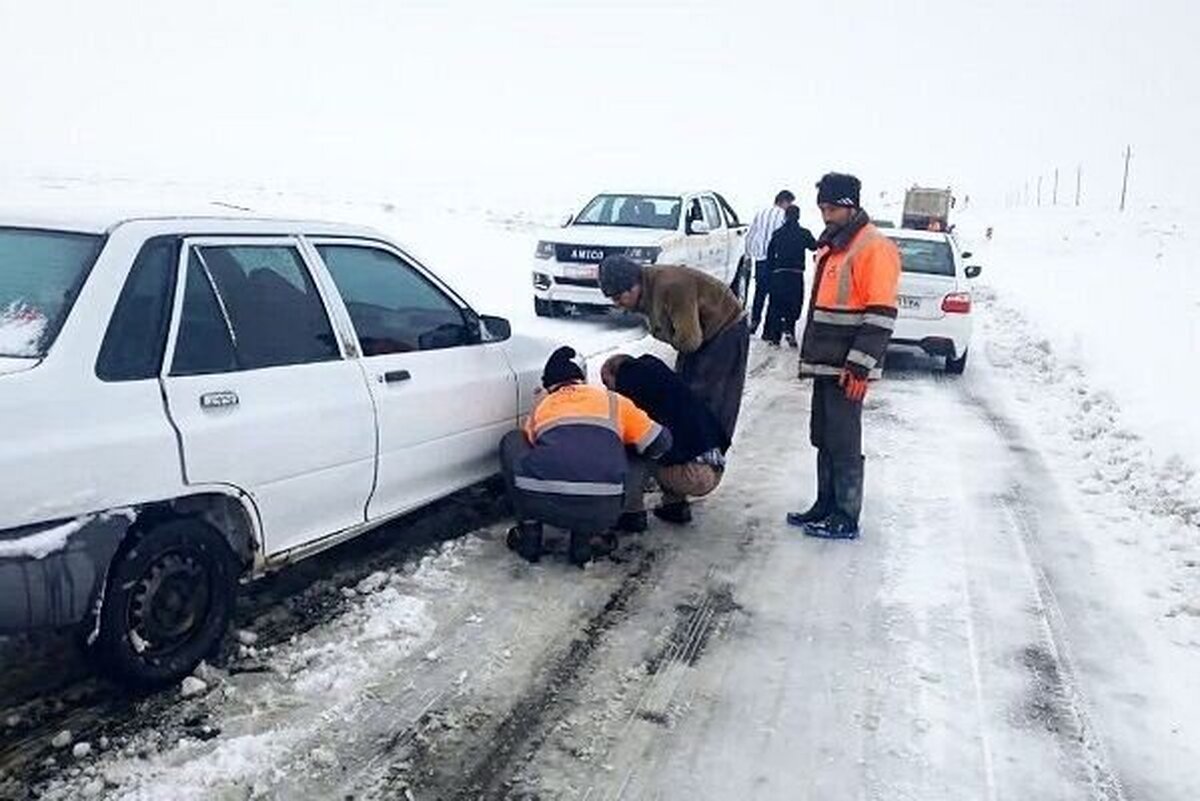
920, 296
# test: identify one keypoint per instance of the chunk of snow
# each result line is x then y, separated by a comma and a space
193, 686
62, 739
246, 637
373, 583
82, 750
137, 642
44, 543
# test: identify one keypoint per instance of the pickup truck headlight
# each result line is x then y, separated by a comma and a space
645, 254
545, 250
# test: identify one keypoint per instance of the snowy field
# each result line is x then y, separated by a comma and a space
1021, 620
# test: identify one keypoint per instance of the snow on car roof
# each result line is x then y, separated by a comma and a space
102, 219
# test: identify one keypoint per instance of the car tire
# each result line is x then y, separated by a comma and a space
545, 308
169, 599
957, 366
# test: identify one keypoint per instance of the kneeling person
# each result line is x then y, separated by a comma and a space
570, 467
695, 462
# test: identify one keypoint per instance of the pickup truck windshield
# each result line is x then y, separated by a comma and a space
632, 211
923, 256
41, 273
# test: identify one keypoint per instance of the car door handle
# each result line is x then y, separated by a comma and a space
396, 376
219, 400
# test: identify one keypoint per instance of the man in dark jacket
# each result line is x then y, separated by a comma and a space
695, 462
697, 315
785, 262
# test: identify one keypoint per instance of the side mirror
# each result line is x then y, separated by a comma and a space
494, 329
973, 271
567, 220
966, 254
698, 227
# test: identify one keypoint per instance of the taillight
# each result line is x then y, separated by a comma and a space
957, 303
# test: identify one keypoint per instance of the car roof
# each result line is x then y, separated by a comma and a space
104, 219
912, 233
658, 193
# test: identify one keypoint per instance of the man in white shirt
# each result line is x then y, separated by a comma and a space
766, 223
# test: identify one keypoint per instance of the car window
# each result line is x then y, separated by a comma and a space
631, 211
730, 215
247, 307
394, 308
925, 257
712, 214
41, 273
137, 331
694, 211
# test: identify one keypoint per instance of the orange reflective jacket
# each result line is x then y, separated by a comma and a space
579, 435
853, 308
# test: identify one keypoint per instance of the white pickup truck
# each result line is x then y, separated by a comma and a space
695, 229
188, 400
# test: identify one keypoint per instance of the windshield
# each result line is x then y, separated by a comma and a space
41, 273
632, 211
923, 256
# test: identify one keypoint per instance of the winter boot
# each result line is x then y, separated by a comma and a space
791, 340
835, 527
580, 551
632, 522
526, 540
824, 503
677, 512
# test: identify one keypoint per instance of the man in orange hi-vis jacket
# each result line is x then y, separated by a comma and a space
851, 316
578, 464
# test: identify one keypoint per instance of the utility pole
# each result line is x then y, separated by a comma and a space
1039, 192
1125, 180
1055, 201
1078, 182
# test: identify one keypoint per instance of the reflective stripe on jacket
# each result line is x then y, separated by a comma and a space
579, 434
853, 309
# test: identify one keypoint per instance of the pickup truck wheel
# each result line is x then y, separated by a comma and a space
168, 603
957, 366
545, 308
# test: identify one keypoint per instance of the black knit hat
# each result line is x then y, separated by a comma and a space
839, 189
619, 274
562, 367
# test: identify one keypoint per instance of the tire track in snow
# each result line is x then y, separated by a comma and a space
1050, 663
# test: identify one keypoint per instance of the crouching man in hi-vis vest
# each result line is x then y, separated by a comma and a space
851, 316
572, 468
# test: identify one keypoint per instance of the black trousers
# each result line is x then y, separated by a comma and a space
762, 288
787, 298
716, 373
836, 433
586, 514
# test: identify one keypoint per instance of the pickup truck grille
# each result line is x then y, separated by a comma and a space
584, 254
588, 282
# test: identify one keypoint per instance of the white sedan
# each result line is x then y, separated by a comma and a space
934, 297
186, 400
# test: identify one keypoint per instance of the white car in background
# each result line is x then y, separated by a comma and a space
694, 229
188, 400
934, 296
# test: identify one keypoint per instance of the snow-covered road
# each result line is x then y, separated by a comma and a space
984, 640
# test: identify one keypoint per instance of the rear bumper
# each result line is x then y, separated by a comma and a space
46, 584
950, 336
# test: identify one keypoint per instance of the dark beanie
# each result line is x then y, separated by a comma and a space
619, 274
839, 189
561, 368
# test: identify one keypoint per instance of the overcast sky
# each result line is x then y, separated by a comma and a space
554, 100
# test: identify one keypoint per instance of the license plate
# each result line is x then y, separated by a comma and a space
909, 302
586, 271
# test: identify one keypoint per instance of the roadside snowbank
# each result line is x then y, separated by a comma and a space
1117, 295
